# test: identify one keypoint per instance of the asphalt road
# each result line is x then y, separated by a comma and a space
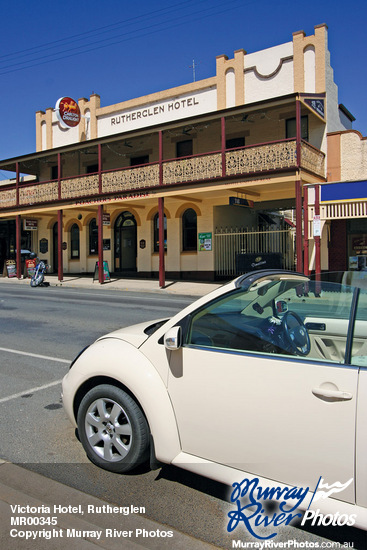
41, 330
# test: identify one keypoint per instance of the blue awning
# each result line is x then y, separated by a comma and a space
350, 190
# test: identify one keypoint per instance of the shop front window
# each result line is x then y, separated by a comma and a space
156, 232
93, 237
75, 241
357, 244
189, 230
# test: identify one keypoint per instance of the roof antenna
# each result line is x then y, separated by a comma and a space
193, 67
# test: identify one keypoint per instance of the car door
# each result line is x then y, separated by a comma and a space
243, 399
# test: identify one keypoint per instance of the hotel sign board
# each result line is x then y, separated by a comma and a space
315, 103
159, 112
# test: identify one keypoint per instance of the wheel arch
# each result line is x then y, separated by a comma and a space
91, 383
128, 369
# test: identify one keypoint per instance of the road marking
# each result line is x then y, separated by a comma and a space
68, 361
32, 390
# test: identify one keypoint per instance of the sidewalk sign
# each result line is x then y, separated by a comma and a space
106, 272
11, 268
30, 267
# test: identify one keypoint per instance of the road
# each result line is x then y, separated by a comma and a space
41, 330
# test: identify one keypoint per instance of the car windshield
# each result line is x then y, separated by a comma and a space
282, 315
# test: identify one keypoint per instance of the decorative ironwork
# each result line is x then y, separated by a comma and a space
240, 162
193, 169
262, 158
79, 187
130, 179
8, 198
42, 192
312, 159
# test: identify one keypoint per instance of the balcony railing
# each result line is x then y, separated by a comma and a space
130, 179
278, 155
245, 161
203, 167
312, 159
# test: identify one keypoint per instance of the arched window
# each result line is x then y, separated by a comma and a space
74, 242
93, 237
189, 230
156, 232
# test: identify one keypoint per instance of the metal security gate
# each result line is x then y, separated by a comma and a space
233, 243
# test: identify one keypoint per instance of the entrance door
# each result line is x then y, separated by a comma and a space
125, 243
55, 248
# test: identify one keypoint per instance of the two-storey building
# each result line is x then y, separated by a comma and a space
202, 181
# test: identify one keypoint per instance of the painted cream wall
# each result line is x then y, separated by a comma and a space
175, 260
269, 73
310, 69
230, 88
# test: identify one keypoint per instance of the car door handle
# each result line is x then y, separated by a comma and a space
337, 395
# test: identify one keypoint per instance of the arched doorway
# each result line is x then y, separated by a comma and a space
125, 243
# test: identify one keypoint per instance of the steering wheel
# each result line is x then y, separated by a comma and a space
296, 333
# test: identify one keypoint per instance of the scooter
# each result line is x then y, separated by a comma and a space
39, 275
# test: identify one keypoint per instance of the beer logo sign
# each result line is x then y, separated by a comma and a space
67, 112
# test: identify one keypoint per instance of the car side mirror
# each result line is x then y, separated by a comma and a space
172, 338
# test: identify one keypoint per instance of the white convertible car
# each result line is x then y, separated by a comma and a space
266, 377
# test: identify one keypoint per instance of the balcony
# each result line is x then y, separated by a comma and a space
246, 161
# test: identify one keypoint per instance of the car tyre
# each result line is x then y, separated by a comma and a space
113, 429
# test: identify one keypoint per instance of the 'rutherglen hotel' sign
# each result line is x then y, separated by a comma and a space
167, 110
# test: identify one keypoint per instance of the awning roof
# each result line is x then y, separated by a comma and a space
350, 190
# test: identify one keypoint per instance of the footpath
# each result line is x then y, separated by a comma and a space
127, 285
26, 494
37, 513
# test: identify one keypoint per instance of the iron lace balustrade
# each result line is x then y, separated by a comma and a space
242, 161
276, 155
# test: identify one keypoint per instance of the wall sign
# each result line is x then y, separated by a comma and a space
67, 112
316, 226
205, 242
106, 218
43, 246
158, 112
237, 201
30, 225
316, 104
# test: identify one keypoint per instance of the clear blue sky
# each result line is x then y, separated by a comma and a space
123, 50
